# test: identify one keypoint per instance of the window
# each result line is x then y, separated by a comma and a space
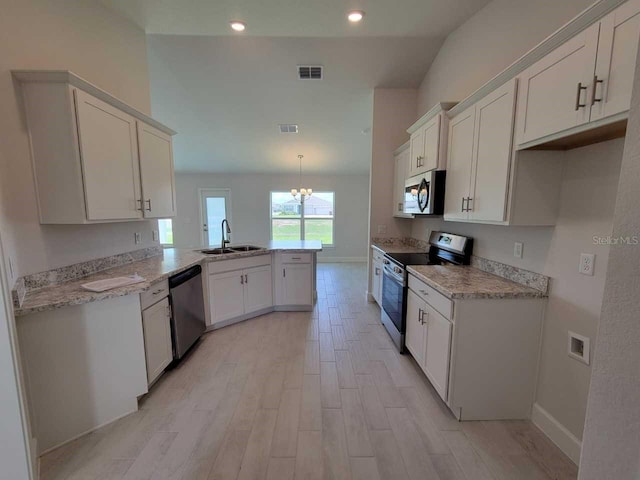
311, 220
165, 230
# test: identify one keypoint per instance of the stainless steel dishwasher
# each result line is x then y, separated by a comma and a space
187, 310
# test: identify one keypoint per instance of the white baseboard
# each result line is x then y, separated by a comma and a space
341, 259
557, 433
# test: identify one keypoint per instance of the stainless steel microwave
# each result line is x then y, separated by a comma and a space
425, 196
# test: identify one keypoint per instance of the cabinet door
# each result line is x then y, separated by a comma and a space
438, 350
226, 295
376, 282
415, 335
615, 67
400, 176
156, 172
156, 327
431, 139
109, 153
492, 155
556, 90
459, 163
257, 289
296, 284
416, 153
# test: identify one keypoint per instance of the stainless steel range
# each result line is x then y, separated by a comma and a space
444, 248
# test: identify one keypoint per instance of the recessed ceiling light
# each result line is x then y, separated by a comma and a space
238, 26
355, 16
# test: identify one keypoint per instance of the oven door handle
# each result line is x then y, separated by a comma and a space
393, 275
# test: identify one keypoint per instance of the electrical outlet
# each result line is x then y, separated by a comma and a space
138, 238
382, 229
586, 266
517, 249
154, 235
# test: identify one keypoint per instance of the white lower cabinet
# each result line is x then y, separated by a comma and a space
258, 293
226, 293
437, 349
156, 326
480, 355
239, 292
428, 338
376, 276
296, 284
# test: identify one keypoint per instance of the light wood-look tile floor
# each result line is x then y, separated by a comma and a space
305, 396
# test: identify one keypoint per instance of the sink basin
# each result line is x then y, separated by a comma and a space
245, 248
217, 251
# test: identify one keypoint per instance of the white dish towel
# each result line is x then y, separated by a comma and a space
115, 282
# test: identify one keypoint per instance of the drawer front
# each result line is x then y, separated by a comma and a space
296, 258
238, 264
434, 298
156, 292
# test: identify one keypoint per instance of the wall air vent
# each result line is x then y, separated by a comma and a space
310, 72
288, 128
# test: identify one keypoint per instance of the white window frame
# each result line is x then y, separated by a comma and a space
302, 217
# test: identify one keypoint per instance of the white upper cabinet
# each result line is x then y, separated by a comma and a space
156, 172
428, 141
492, 155
616, 61
460, 161
480, 148
583, 84
109, 155
554, 92
401, 173
95, 158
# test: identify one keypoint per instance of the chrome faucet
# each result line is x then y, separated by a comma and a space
224, 241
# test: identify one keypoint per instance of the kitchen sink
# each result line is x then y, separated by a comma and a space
245, 248
218, 251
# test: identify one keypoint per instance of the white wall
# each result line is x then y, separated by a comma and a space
394, 110
250, 204
103, 48
611, 440
489, 42
478, 50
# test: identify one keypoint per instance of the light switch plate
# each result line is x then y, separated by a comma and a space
138, 238
587, 261
154, 235
579, 347
517, 249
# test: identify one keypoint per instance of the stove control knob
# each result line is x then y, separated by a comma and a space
397, 269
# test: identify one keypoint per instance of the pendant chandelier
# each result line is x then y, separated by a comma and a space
304, 192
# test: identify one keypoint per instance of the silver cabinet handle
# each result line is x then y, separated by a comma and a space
594, 100
420, 312
296, 258
284, 272
469, 208
424, 292
141, 205
463, 209
241, 279
400, 206
246, 278
157, 292
149, 202
578, 93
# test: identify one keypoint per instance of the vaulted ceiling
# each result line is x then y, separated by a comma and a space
227, 93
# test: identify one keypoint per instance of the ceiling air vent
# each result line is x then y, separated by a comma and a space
310, 72
288, 128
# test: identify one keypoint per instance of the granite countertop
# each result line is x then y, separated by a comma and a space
463, 282
397, 248
153, 269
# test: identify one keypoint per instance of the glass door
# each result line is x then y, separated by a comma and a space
215, 206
